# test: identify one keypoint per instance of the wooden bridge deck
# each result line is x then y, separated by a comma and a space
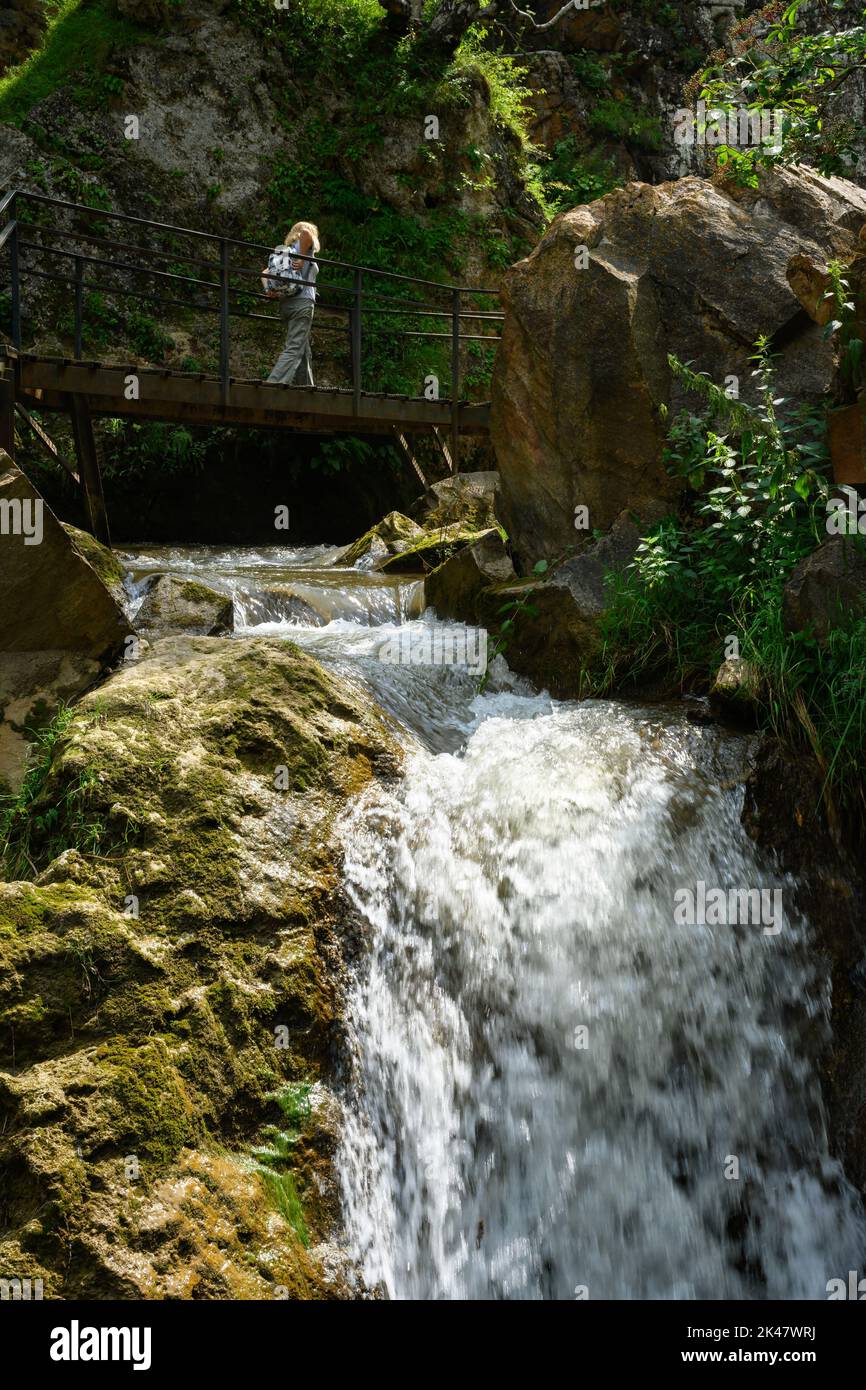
64, 246
45, 384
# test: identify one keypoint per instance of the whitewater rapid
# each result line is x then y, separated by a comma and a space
553, 1091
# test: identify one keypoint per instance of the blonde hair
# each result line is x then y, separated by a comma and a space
310, 229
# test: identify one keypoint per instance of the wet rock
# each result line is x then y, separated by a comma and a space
736, 688
173, 605
826, 587
454, 587
60, 625
101, 559
687, 268
431, 549
787, 812
172, 973
556, 617
390, 536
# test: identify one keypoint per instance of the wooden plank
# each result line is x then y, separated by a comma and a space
88, 467
405, 448
444, 449
46, 441
179, 396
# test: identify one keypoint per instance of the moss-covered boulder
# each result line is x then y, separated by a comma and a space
390, 536
101, 559
174, 606
454, 587
431, 549
169, 979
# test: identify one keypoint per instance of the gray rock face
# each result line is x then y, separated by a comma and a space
611, 289
173, 606
560, 639
467, 497
453, 588
59, 624
826, 586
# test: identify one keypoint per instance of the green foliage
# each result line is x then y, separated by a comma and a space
844, 323
780, 66
133, 450
79, 40
34, 831
756, 506
589, 70
571, 177
274, 1160
617, 118
345, 452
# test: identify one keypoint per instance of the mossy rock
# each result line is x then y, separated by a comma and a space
173, 606
158, 991
432, 550
101, 559
390, 536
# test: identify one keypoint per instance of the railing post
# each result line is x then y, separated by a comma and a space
356, 343
79, 309
15, 276
225, 346
7, 406
455, 378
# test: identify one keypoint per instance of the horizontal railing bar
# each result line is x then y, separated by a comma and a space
233, 241
214, 285
123, 265
7, 199
172, 303
463, 337
113, 245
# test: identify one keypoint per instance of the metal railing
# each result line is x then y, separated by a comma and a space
71, 245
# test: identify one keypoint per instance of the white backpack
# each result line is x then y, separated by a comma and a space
281, 278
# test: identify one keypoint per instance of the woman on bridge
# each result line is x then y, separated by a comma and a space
292, 280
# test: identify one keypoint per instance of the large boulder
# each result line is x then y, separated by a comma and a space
453, 587
169, 986
825, 587
173, 606
390, 536
61, 626
556, 617
688, 268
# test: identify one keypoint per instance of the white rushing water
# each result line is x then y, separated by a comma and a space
550, 1079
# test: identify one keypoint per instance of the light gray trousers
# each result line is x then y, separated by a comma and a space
294, 366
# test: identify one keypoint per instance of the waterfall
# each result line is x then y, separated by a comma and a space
553, 1083
555, 1088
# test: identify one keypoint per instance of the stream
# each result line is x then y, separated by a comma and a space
557, 1087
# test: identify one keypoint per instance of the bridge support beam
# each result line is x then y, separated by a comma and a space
88, 469
7, 408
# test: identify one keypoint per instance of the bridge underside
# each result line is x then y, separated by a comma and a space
48, 384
